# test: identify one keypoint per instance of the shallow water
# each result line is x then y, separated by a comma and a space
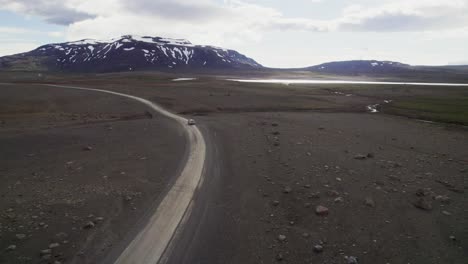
305, 81
183, 79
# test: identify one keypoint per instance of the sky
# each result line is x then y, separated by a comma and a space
276, 33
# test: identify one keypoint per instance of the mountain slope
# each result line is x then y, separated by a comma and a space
127, 53
360, 67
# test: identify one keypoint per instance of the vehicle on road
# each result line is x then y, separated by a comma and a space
191, 122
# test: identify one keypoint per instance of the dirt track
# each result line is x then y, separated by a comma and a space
276, 158
69, 158
244, 208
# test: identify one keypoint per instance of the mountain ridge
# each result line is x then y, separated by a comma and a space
128, 53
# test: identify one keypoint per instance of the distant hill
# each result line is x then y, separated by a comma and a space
359, 67
127, 53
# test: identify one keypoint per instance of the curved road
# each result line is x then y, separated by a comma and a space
151, 242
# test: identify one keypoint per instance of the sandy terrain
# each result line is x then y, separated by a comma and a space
73, 158
394, 188
260, 207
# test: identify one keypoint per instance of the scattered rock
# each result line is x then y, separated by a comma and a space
275, 203
287, 189
89, 225
443, 199
279, 257
318, 248
369, 202
314, 195
360, 157
333, 193
351, 260
88, 148
61, 235
423, 204
446, 213
339, 200
11, 248
282, 238
20, 236
321, 210
423, 192
46, 252
394, 178
54, 245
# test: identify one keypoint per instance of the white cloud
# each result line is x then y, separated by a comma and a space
235, 15
239, 23
409, 15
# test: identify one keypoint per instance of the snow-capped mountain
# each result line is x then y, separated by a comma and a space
360, 67
130, 53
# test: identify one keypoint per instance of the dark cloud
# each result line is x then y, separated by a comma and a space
55, 12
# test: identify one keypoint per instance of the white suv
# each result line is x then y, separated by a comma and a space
191, 122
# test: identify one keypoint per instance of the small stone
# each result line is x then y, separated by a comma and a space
282, 238
275, 203
305, 235
423, 204
446, 213
61, 235
339, 200
453, 238
287, 189
423, 192
333, 193
352, 260
99, 219
369, 202
279, 257
20, 236
11, 247
318, 248
46, 257
360, 157
321, 210
89, 225
443, 199
46, 251
307, 205
315, 195
394, 178
88, 148
370, 155
54, 245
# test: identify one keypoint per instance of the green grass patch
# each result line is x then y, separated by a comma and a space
448, 110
